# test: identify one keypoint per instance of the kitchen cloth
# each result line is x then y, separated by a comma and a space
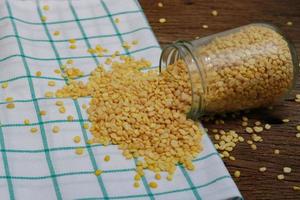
43, 165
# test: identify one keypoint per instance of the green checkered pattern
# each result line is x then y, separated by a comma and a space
44, 165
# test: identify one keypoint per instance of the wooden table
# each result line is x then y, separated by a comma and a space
184, 21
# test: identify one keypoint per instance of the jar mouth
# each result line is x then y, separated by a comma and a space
183, 50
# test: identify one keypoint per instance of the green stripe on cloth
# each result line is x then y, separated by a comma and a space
73, 57
51, 149
31, 76
163, 193
145, 18
85, 38
145, 183
130, 196
144, 180
38, 99
6, 166
37, 109
58, 59
190, 182
89, 172
91, 154
44, 122
77, 39
67, 21
57, 79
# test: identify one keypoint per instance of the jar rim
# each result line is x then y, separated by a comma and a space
183, 50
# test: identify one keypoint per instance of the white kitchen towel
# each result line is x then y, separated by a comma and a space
43, 165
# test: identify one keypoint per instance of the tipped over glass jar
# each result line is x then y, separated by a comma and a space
247, 67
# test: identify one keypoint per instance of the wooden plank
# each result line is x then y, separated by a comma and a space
184, 21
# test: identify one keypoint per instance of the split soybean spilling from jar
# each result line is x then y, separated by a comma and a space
145, 113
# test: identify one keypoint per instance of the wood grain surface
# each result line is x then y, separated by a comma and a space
184, 21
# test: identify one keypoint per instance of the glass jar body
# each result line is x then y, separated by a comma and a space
247, 67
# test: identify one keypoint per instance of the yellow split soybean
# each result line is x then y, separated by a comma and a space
85, 125
33, 130
43, 18
205, 26
126, 45
160, 4
253, 146
249, 130
62, 109
9, 99
57, 71
59, 103
10, 105
90, 141
262, 169
137, 177
43, 112
170, 177
157, 176
46, 7
77, 139
237, 174
153, 185
56, 33
117, 20
280, 177
245, 119
267, 126
4, 85
285, 120
136, 184
84, 106
257, 123
79, 151
296, 188
72, 46
72, 41
70, 118
49, 94
214, 13
70, 62
276, 151
98, 172
55, 129
287, 170
106, 158
244, 123
258, 129
162, 20
51, 83
38, 73
135, 42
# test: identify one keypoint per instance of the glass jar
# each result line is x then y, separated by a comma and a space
247, 67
